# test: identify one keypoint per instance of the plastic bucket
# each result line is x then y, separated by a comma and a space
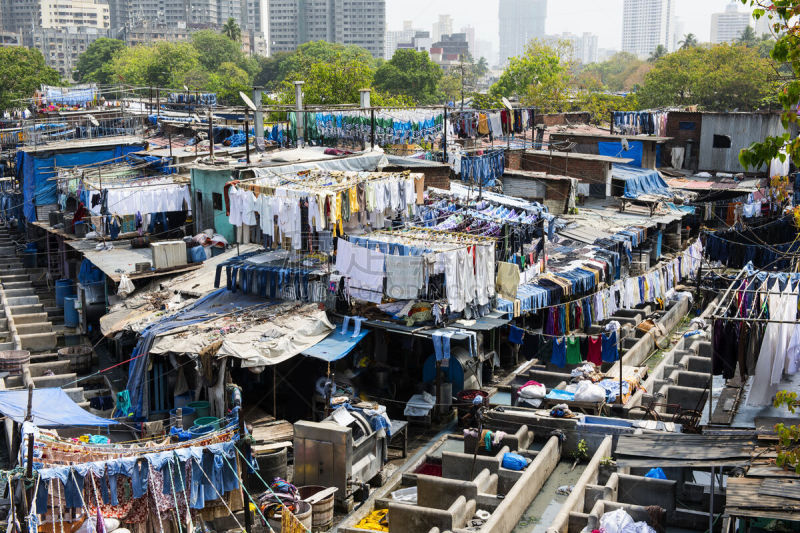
70, 313
322, 511
302, 513
187, 416
201, 409
64, 288
203, 421
196, 431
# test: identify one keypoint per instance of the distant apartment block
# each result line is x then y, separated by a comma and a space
520, 21
359, 22
645, 25
727, 27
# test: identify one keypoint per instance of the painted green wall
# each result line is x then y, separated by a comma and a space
208, 182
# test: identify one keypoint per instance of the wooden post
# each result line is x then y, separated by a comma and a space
158, 103
444, 137
169, 136
211, 133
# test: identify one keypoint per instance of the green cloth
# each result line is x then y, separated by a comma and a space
574, 351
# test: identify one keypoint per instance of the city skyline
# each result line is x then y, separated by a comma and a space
601, 17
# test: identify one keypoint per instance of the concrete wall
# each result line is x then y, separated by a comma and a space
208, 182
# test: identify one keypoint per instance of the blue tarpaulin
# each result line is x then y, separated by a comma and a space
51, 408
614, 149
38, 168
335, 346
640, 181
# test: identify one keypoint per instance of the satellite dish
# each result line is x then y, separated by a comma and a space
625, 145
507, 103
195, 118
93, 120
185, 88
247, 101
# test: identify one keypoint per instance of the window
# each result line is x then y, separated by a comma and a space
216, 201
722, 141
688, 126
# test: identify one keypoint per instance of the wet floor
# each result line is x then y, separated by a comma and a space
548, 502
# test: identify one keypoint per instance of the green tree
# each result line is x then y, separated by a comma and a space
162, 64
540, 77
227, 81
329, 83
748, 37
782, 15
214, 49
689, 41
269, 70
621, 72
231, 30
658, 53
450, 86
600, 105
22, 71
717, 78
95, 63
788, 446
308, 54
481, 68
411, 73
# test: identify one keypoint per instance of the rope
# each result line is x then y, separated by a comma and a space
151, 486
175, 496
80, 493
185, 496
264, 518
222, 499
60, 507
286, 509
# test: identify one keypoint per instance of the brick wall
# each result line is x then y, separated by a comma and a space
561, 164
514, 159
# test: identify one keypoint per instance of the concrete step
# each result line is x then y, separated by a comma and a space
58, 380
30, 318
34, 328
26, 309
38, 342
58, 367
43, 357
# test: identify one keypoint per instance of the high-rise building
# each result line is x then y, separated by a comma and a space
395, 38
520, 21
678, 32
61, 14
294, 22
485, 49
443, 26
645, 25
194, 14
61, 47
727, 27
469, 31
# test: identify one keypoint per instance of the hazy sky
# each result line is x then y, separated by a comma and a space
602, 17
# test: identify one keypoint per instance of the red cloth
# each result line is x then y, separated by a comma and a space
595, 354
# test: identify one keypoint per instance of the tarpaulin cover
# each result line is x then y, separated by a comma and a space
200, 311
284, 336
51, 408
364, 162
38, 168
614, 149
335, 346
640, 181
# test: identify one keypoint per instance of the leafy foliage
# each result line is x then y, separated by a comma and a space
716, 78
163, 64
600, 105
788, 436
783, 22
540, 77
411, 73
621, 72
231, 30
216, 49
94, 64
22, 71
